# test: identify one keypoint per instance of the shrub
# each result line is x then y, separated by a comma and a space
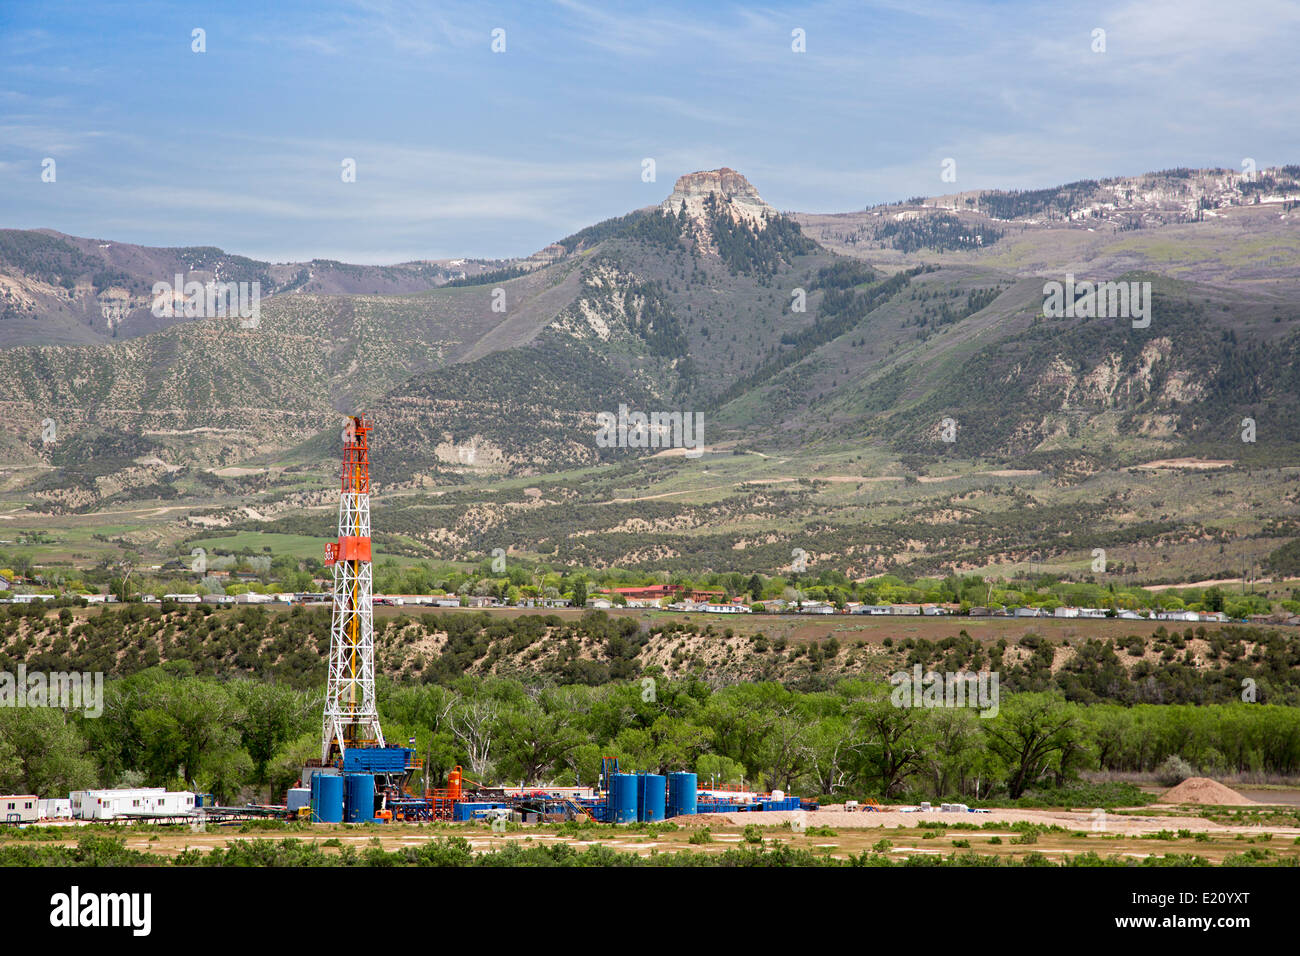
1174, 770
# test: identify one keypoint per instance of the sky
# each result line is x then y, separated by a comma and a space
461, 150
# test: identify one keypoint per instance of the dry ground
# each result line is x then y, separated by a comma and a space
1138, 833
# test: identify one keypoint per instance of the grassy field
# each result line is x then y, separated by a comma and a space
297, 545
854, 508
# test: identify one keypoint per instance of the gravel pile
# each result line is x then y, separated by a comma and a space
1206, 792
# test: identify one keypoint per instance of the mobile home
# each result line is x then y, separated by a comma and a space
19, 808
55, 808
121, 804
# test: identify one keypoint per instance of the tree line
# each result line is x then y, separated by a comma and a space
249, 739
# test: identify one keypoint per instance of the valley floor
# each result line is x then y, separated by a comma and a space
1256, 836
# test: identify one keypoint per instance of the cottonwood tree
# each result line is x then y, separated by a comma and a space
953, 748
888, 740
675, 744
425, 713
41, 752
741, 718
1029, 731
474, 725
172, 730
787, 751
829, 754
535, 741
272, 716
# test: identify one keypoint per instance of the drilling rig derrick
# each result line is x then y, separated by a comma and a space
351, 713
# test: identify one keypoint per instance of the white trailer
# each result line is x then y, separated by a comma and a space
55, 809
174, 802
19, 808
112, 804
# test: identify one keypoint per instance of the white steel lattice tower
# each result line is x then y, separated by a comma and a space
351, 715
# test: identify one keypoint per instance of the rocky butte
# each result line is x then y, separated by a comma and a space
735, 196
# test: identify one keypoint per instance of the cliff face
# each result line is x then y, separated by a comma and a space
735, 196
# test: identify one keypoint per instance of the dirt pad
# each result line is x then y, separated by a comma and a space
1207, 792
886, 819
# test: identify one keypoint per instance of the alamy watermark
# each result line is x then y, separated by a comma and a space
1098, 300
74, 909
66, 691
655, 430
933, 689
208, 300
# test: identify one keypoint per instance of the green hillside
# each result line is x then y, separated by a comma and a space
898, 403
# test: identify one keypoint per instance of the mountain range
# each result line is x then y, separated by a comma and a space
905, 343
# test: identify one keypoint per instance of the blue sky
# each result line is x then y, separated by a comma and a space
464, 152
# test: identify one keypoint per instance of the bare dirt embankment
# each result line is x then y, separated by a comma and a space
1188, 463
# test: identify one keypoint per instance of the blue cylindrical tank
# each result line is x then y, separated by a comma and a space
326, 798
359, 798
622, 797
650, 792
683, 793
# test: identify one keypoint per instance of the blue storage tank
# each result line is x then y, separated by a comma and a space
314, 795
326, 798
622, 797
650, 792
683, 793
359, 798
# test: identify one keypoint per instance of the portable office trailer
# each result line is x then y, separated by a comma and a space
112, 804
19, 808
54, 809
179, 801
